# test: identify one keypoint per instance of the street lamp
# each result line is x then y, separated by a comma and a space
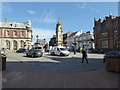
37, 37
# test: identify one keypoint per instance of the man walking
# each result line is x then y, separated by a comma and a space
74, 49
84, 56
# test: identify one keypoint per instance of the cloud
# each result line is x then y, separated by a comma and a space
46, 17
84, 5
49, 17
31, 12
93, 9
43, 33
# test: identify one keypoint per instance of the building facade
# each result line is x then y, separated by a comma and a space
107, 33
14, 35
59, 35
70, 40
42, 43
85, 40
52, 41
65, 36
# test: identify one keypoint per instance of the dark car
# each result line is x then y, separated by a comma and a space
34, 53
22, 50
111, 54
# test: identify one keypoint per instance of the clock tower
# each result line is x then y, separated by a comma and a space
59, 36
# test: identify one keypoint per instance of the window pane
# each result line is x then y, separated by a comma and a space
7, 33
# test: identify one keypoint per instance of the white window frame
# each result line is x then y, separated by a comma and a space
29, 34
7, 33
15, 33
22, 33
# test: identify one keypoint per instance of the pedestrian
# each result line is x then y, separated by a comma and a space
74, 49
80, 50
84, 55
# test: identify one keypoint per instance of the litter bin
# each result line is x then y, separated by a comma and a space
112, 60
2, 62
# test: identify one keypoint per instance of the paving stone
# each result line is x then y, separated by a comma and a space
57, 72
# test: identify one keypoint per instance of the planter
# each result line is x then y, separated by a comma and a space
113, 64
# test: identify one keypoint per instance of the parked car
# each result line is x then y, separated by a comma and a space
40, 48
99, 51
59, 50
111, 54
34, 53
22, 50
68, 48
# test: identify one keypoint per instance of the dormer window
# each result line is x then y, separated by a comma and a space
11, 24
15, 25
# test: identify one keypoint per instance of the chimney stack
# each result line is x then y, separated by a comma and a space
5, 20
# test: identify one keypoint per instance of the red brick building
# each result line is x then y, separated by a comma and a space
107, 33
14, 35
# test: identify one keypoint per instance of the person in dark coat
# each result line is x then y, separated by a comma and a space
84, 56
74, 49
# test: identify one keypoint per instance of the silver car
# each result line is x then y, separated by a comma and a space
34, 53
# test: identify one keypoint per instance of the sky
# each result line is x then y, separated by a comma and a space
74, 16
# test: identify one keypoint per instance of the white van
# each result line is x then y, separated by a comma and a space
59, 50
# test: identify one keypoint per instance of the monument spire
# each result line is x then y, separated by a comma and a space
59, 37
59, 21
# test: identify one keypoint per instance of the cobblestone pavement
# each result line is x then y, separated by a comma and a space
55, 71
48, 63
22, 57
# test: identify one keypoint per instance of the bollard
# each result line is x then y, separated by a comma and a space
2, 62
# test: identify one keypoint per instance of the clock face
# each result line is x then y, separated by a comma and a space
60, 28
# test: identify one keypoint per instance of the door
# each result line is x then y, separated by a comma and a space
57, 51
8, 44
15, 45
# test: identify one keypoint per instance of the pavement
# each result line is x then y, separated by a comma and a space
57, 72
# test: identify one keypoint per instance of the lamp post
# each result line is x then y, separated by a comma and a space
37, 37
37, 41
44, 41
